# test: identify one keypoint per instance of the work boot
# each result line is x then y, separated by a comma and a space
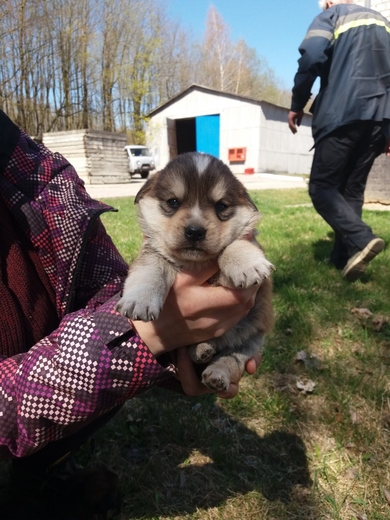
358, 263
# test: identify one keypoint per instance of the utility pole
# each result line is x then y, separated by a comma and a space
368, 4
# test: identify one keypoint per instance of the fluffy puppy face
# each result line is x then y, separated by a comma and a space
193, 208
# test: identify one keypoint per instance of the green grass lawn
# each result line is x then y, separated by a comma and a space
275, 451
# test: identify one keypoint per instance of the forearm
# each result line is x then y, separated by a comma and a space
309, 69
92, 363
315, 51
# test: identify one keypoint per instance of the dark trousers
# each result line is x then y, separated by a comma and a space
341, 164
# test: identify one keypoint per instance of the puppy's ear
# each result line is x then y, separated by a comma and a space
146, 188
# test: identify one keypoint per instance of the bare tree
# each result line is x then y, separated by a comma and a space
217, 52
174, 65
233, 66
107, 64
137, 83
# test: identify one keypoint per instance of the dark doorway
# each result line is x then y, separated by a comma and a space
186, 135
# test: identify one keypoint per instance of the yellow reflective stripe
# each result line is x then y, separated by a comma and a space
360, 23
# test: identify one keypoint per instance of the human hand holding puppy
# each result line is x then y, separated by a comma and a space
196, 311
191, 383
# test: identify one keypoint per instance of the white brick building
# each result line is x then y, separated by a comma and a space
382, 6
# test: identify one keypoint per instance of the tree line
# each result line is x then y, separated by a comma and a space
106, 64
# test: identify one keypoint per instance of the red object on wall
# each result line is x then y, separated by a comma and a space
249, 170
237, 154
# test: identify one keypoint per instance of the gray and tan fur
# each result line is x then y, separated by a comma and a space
191, 213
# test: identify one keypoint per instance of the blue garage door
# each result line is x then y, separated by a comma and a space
207, 134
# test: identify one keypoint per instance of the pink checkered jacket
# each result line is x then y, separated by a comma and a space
94, 361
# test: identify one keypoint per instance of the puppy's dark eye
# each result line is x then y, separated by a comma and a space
173, 203
221, 206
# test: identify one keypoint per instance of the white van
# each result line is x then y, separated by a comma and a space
140, 160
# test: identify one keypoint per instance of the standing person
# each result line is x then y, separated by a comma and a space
68, 360
348, 47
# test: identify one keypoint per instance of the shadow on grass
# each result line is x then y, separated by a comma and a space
322, 248
177, 464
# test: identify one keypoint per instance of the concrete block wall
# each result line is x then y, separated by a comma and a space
378, 185
98, 157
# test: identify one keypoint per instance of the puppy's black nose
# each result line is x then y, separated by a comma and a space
195, 234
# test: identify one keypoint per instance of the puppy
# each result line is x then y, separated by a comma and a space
192, 212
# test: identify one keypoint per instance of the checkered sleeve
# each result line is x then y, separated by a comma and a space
92, 363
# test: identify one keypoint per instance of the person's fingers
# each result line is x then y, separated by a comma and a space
291, 121
185, 278
387, 149
253, 364
190, 381
294, 120
201, 300
230, 393
291, 124
187, 375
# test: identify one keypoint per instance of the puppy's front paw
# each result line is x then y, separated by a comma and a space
216, 379
247, 275
202, 352
143, 306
